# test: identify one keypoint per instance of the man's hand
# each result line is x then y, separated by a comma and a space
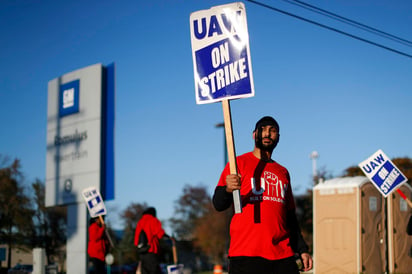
232, 182
307, 261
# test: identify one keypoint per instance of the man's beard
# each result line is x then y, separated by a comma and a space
270, 147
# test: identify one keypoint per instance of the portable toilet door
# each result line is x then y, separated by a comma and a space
336, 219
373, 233
399, 242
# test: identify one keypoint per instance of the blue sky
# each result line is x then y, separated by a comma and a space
339, 96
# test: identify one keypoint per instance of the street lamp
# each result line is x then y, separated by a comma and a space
314, 155
219, 125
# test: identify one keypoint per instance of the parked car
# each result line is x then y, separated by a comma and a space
21, 269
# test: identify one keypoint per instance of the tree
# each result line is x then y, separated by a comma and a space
191, 205
304, 214
197, 221
405, 165
127, 252
50, 226
211, 233
132, 214
15, 208
353, 171
321, 175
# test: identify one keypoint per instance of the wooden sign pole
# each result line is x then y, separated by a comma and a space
106, 232
231, 152
174, 251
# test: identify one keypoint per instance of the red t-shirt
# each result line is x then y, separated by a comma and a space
153, 229
266, 194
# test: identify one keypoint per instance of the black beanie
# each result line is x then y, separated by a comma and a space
267, 121
150, 211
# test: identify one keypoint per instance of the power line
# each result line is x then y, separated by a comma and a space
349, 21
360, 25
330, 28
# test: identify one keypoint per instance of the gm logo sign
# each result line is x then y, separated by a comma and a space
69, 98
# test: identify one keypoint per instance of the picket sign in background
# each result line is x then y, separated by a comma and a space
382, 172
94, 202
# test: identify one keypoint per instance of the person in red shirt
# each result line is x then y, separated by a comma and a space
265, 236
150, 260
97, 245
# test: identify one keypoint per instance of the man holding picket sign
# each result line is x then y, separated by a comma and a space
264, 232
99, 239
97, 246
266, 235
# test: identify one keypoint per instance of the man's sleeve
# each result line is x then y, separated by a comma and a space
222, 200
297, 242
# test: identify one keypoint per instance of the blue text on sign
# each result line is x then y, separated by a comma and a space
220, 70
204, 30
368, 168
388, 177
